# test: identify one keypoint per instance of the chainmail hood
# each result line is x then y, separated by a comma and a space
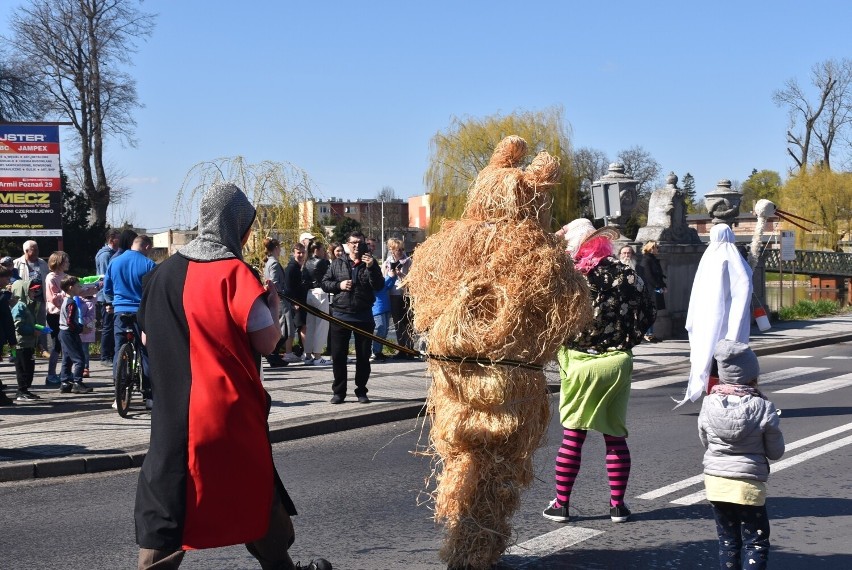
226, 215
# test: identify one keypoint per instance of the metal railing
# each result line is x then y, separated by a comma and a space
813, 262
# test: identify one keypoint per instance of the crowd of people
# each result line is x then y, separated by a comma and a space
104, 310
51, 314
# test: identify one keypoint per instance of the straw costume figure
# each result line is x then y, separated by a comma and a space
496, 296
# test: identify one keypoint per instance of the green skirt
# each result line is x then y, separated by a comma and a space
595, 390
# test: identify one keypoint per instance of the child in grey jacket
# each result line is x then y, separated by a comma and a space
740, 430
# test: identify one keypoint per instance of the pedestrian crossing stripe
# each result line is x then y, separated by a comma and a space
686, 483
820, 386
526, 553
776, 467
764, 378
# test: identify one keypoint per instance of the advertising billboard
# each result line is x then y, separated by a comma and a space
30, 188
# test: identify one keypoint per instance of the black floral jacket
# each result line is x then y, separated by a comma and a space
622, 309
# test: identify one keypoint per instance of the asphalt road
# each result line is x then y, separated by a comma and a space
364, 504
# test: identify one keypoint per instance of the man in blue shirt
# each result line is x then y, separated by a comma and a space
123, 283
102, 258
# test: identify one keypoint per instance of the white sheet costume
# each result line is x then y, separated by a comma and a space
719, 306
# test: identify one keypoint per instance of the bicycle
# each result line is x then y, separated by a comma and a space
128, 367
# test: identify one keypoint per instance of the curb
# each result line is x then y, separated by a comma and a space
366, 416
370, 415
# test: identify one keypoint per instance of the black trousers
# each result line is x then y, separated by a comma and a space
339, 338
107, 333
24, 368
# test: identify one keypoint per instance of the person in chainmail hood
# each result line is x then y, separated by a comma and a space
208, 479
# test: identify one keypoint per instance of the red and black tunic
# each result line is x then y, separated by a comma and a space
208, 478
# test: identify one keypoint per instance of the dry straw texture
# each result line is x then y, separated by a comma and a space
493, 285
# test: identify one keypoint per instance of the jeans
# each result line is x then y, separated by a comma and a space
72, 356
340, 349
743, 535
382, 321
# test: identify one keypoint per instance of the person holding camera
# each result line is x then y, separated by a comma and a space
353, 281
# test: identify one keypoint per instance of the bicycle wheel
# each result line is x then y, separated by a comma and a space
124, 376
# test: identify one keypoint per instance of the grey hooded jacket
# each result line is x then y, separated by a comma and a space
740, 435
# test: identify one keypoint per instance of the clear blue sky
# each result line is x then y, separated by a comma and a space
352, 92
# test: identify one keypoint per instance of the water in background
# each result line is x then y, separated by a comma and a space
774, 295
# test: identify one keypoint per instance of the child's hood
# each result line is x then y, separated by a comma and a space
20, 291
733, 418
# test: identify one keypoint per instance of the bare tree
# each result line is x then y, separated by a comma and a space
639, 164
825, 118
76, 50
386, 194
20, 99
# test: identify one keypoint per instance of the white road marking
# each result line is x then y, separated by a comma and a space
657, 382
678, 485
546, 544
838, 357
770, 377
789, 356
820, 386
764, 378
776, 467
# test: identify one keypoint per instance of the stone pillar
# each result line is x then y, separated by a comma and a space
680, 250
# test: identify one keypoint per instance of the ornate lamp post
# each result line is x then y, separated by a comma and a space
627, 195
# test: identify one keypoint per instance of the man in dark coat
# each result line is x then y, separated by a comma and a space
354, 282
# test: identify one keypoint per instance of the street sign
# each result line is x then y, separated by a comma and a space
788, 245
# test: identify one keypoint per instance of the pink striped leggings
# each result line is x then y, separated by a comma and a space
568, 465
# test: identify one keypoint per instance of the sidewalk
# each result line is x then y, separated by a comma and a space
67, 434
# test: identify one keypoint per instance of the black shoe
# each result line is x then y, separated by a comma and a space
619, 513
556, 513
363, 400
27, 397
380, 357
337, 399
80, 388
318, 564
5, 400
276, 361
65, 388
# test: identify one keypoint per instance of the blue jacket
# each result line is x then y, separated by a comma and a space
382, 304
123, 281
102, 258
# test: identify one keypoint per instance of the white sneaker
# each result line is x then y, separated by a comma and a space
114, 404
321, 362
291, 358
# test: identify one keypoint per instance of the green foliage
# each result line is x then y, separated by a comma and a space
807, 309
343, 228
764, 184
693, 204
823, 196
274, 188
464, 148
80, 240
